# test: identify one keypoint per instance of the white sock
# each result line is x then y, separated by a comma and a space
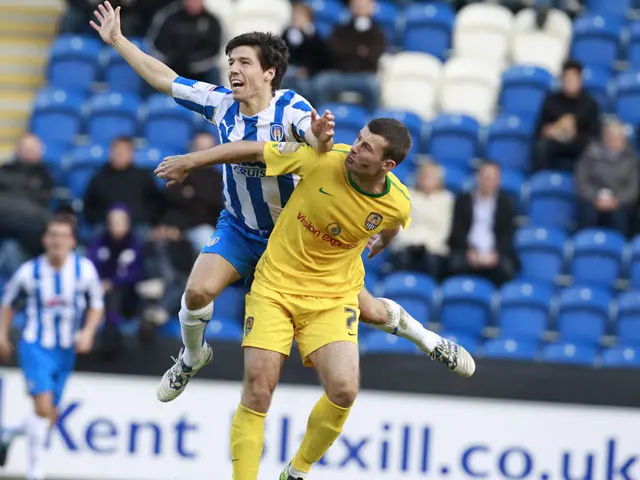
37, 429
404, 325
8, 434
297, 473
193, 324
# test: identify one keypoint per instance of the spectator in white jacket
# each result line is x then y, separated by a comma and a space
423, 245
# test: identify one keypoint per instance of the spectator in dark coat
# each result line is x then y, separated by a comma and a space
481, 239
119, 181
25, 191
607, 179
568, 122
118, 258
188, 39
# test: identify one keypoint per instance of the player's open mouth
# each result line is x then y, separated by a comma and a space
235, 83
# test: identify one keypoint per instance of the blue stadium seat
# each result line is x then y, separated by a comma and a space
621, 357
89, 155
371, 282
597, 257
57, 116
627, 98
466, 304
552, 199
74, 62
541, 252
523, 89
171, 329
470, 342
583, 314
511, 182
596, 82
328, 14
454, 139
524, 310
112, 115
511, 349
509, 142
386, 15
568, 353
596, 40
53, 157
414, 291
230, 304
412, 121
381, 342
224, 330
406, 171
349, 120
633, 268
628, 319
633, 46
167, 123
455, 179
616, 8
150, 157
428, 29
376, 264
120, 77
78, 179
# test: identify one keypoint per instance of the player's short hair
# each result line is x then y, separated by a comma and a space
397, 136
272, 52
122, 139
572, 64
64, 218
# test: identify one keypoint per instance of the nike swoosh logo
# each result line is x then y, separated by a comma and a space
352, 334
325, 193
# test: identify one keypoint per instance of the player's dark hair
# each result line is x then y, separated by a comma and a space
272, 52
488, 163
122, 139
64, 218
397, 136
571, 64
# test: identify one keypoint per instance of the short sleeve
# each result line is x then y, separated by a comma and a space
300, 117
200, 97
16, 285
288, 157
94, 287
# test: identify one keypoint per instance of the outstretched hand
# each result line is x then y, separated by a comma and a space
109, 20
174, 169
323, 127
375, 246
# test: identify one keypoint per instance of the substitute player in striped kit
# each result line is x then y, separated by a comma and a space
63, 303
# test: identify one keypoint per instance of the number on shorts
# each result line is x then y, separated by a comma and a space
353, 316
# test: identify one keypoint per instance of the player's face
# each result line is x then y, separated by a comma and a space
246, 77
367, 155
58, 240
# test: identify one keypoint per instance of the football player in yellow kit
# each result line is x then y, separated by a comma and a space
307, 282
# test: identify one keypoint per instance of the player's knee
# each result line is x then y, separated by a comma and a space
342, 392
197, 296
257, 392
45, 410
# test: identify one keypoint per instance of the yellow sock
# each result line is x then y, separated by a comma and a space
247, 441
324, 426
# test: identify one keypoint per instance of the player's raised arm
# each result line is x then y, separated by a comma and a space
155, 73
320, 131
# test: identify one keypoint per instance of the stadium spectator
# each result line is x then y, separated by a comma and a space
481, 239
423, 246
308, 52
119, 181
195, 205
118, 258
25, 191
169, 256
356, 48
568, 121
186, 37
607, 180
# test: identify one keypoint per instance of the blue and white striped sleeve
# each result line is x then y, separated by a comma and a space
94, 286
16, 285
201, 97
300, 117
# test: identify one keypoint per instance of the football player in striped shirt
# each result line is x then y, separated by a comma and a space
64, 305
255, 108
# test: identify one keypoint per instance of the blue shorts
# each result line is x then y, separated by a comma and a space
45, 370
237, 244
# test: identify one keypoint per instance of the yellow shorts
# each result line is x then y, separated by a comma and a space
273, 320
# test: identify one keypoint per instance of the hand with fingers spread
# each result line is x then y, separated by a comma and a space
323, 127
375, 246
175, 169
109, 19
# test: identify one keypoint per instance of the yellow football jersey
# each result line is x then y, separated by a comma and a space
316, 246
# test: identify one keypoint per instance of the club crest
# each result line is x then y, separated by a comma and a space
277, 132
373, 221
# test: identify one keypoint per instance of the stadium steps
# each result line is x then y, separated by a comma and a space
27, 29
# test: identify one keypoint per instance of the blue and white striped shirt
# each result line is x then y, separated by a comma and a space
251, 197
55, 299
